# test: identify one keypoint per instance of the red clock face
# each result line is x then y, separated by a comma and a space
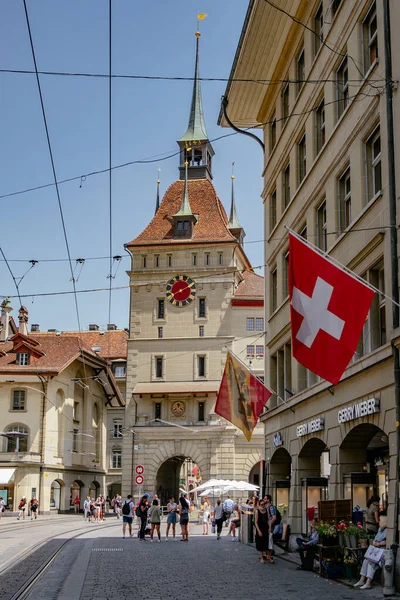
181, 291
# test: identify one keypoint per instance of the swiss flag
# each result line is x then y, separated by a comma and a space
328, 308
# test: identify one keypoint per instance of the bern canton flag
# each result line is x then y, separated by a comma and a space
328, 309
241, 397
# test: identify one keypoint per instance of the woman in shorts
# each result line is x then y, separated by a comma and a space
172, 510
184, 517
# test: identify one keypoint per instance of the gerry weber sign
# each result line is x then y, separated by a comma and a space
361, 409
311, 427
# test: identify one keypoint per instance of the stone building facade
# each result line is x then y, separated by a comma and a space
194, 295
325, 176
55, 392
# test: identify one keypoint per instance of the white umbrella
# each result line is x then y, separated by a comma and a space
211, 483
243, 486
212, 492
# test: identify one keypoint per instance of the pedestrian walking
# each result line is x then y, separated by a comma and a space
117, 505
34, 507
22, 508
184, 517
235, 522
228, 506
155, 520
86, 509
141, 512
172, 510
261, 522
77, 504
272, 516
206, 519
127, 515
217, 515
2, 507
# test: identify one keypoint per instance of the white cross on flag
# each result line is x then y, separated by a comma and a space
328, 308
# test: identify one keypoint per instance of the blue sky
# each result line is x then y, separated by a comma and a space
149, 38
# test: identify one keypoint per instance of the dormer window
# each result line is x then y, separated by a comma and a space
22, 359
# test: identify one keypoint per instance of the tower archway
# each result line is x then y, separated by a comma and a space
176, 473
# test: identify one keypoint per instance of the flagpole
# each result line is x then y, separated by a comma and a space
341, 265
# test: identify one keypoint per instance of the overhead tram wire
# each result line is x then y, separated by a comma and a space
13, 276
294, 81
110, 158
173, 154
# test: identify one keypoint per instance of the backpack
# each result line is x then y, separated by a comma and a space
138, 511
126, 509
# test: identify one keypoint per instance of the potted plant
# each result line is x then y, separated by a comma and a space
349, 565
352, 532
327, 533
362, 536
342, 529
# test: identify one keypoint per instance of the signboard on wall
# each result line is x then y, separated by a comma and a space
311, 427
360, 409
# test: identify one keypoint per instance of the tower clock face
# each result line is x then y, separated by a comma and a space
180, 291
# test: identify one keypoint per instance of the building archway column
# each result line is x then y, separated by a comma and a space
295, 496
335, 485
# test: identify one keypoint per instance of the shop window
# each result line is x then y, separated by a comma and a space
18, 400
301, 159
322, 231
370, 38
335, 4
117, 429
116, 458
202, 308
159, 367
250, 324
272, 210
16, 438
272, 133
320, 127
300, 70
374, 332
344, 185
201, 412
22, 359
201, 366
342, 86
286, 186
286, 275
318, 28
374, 168
161, 309
281, 373
274, 290
259, 323
285, 103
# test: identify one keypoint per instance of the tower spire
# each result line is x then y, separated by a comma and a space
185, 210
196, 127
158, 192
233, 225
195, 146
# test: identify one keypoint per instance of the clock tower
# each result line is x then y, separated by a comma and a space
192, 291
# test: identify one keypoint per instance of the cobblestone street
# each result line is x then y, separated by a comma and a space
101, 565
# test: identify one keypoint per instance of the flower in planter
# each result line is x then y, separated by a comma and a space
332, 531
352, 529
349, 558
342, 526
362, 534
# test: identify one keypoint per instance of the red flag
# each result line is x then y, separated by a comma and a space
328, 309
241, 397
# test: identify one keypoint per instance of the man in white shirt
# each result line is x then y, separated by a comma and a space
228, 508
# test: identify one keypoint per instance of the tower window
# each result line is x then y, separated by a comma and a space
159, 367
157, 260
207, 259
198, 156
161, 309
194, 259
201, 366
170, 260
144, 262
160, 332
201, 412
157, 410
220, 258
201, 330
202, 307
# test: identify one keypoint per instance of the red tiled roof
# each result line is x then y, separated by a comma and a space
113, 344
58, 354
204, 202
251, 288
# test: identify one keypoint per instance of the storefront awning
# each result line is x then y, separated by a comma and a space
184, 387
6, 475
